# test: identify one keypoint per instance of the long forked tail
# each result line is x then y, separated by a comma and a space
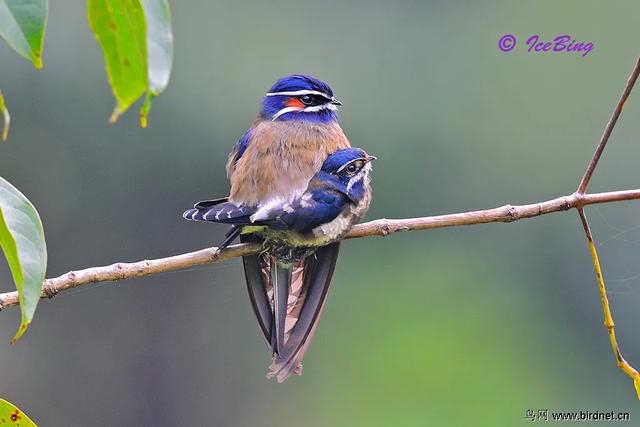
270, 290
316, 279
288, 327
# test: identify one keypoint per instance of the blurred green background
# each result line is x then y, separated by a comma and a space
462, 326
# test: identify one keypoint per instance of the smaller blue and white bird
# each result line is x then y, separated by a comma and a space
289, 281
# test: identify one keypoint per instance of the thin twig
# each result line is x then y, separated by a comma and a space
606, 310
507, 213
582, 187
380, 227
608, 318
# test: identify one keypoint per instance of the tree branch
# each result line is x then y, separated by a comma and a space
588, 173
623, 365
380, 227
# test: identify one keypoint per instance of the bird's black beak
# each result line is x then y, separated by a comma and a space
371, 158
335, 102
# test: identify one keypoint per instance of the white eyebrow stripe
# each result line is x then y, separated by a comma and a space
299, 92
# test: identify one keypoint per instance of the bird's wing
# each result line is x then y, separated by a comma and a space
208, 203
313, 208
318, 205
220, 211
238, 150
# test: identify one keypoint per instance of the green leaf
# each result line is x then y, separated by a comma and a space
11, 415
137, 43
22, 25
159, 51
7, 118
119, 27
22, 241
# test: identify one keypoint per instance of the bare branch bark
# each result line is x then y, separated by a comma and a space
506, 213
380, 227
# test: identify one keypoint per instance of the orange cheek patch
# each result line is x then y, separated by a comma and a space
294, 102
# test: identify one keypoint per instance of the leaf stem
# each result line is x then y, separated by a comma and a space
6, 118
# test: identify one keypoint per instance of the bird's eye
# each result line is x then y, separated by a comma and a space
351, 169
306, 99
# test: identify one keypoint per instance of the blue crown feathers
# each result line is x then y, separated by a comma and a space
296, 82
340, 158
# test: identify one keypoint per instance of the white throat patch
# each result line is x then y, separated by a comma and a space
363, 174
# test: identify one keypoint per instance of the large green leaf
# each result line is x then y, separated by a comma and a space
137, 44
6, 119
13, 416
120, 30
22, 241
22, 25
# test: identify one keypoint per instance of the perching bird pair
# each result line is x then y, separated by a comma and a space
298, 187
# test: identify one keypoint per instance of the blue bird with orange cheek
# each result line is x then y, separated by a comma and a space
283, 187
288, 283
295, 131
